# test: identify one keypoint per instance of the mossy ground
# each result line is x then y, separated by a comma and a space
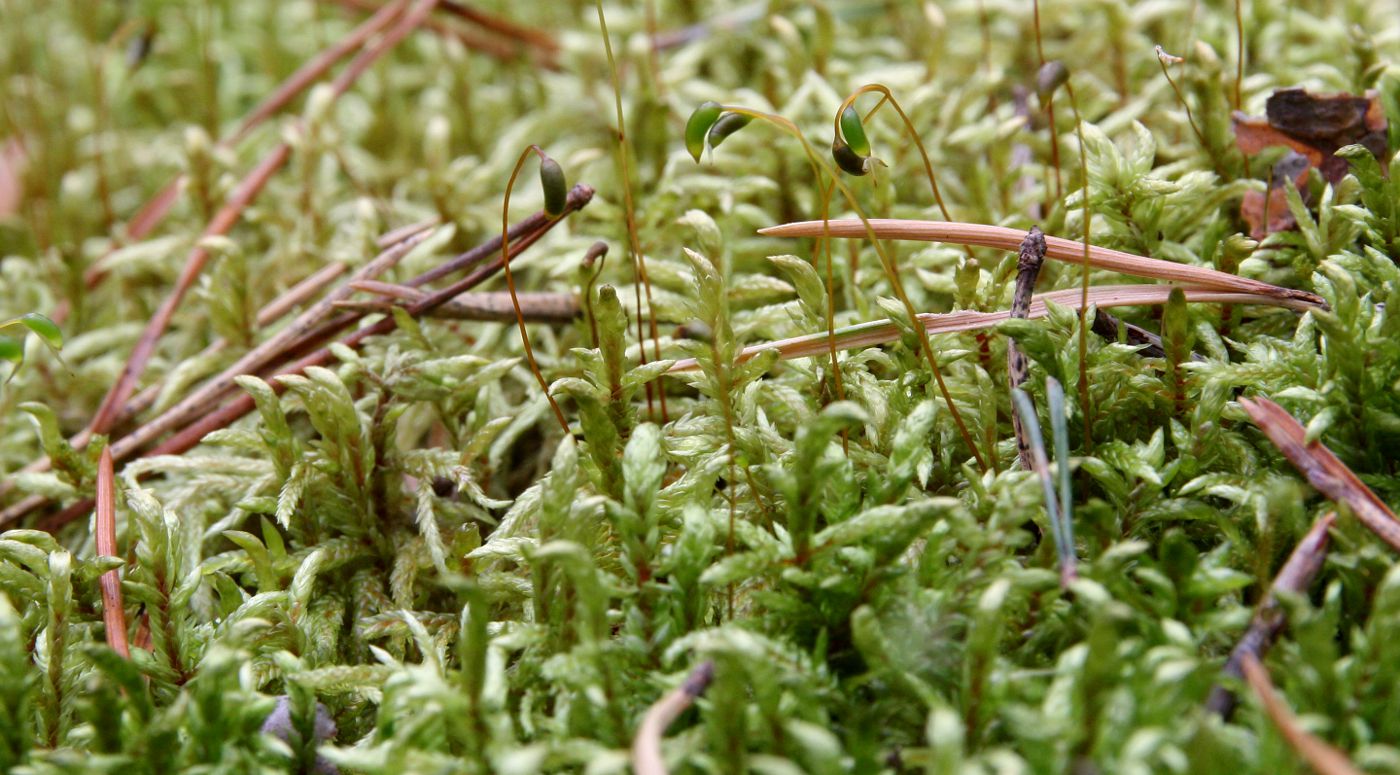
407, 537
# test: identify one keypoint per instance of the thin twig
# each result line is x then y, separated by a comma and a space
1294, 577
113, 614
646, 746
1017, 365
229, 214
1109, 327
1323, 758
1322, 468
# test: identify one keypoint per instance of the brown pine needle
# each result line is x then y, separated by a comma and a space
195, 425
113, 614
646, 746
1322, 468
883, 331
1056, 247
490, 306
247, 191
157, 207
1322, 757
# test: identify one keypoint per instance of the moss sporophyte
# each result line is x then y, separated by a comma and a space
993, 414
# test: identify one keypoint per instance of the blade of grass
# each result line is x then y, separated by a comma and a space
1041, 466
1059, 428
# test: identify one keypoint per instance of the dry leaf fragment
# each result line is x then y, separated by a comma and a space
1256, 209
1315, 126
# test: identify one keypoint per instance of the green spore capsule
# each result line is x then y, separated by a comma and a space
853, 131
556, 190
728, 124
699, 125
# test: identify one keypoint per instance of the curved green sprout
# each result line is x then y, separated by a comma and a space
12, 348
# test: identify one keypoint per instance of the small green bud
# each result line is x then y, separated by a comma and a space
699, 125
853, 132
728, 124
556, 190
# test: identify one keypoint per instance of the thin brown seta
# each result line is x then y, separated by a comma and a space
1322, 468
1164, 59
113, 614
1085, 406
1049, 108
887, 263
1322, 757
510, 285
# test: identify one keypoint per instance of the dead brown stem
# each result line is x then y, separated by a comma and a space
490, 45
1017, 365
883, 331
207, 421
157, 207
1056, 247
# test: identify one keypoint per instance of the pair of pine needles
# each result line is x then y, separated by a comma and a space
1059, 509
